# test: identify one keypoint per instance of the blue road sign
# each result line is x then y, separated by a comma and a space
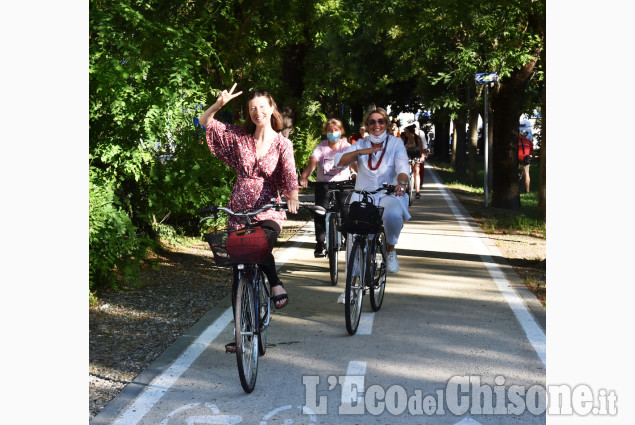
486, 78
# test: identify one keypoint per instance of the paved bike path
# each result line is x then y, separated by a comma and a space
455, 311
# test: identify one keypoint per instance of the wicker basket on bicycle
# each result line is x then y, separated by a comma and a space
251, 245
361, 217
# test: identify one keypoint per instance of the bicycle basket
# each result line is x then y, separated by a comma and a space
361, 218
216, 241
249, 245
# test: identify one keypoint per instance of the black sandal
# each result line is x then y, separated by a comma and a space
279, 298
231, 347
417, 195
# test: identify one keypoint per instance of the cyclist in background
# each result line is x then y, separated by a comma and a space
394, 128
322, 158
416, 150
357, 136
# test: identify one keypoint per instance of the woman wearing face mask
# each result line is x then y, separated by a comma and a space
381, 158
322, 158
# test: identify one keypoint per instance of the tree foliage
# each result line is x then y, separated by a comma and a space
154, 65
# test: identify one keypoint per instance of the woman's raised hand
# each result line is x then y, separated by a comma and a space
222, 99
226, 96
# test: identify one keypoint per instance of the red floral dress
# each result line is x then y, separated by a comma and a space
258, 180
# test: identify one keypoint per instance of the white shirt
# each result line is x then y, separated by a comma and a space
424, 139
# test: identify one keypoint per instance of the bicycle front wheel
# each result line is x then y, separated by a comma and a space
246, 322
354, 287
378, 285
264, 307
411, 185
333, 248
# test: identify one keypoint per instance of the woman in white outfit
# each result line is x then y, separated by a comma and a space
381, 158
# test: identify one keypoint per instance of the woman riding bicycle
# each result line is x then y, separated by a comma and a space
322, 157
263, 160
381, 158
416, 150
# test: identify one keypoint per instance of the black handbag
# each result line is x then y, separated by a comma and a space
361, 217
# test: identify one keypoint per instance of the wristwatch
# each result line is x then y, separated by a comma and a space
403, 183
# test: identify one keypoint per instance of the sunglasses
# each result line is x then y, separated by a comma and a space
380, 121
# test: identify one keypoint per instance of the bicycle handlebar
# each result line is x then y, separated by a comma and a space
335, 186
389, 188
277, 206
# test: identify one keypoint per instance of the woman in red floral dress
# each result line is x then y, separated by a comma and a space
263, 160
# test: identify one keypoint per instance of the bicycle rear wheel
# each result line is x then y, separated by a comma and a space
264, 305
333, 248
378, 267
245, 320
354, 287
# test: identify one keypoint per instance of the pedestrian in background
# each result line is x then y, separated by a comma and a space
525, 151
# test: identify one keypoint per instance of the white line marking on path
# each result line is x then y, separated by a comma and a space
365, 326
353, 385
534, 332
162, 383
305, 234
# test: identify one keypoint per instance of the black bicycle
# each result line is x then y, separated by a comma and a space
245, 249
366, 263
333, 218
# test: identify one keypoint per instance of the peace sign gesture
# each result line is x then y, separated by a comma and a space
226, 96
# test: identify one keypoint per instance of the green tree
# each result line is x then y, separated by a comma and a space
154, 64
148, 65
448, 42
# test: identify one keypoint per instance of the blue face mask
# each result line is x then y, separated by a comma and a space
334, 137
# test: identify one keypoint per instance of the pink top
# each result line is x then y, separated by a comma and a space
258, 180
325, 157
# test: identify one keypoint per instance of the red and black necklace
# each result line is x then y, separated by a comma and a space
370, 158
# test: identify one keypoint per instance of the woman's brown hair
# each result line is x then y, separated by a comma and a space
276, 118
335, 121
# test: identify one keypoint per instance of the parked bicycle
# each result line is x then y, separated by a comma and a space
334, 242
245, 249
366, 262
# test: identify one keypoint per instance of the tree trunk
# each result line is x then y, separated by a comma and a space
442, 140
461, 148
445, 140
357, 115
293, 69
453, 141
473, 139
490, 147
506, 106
